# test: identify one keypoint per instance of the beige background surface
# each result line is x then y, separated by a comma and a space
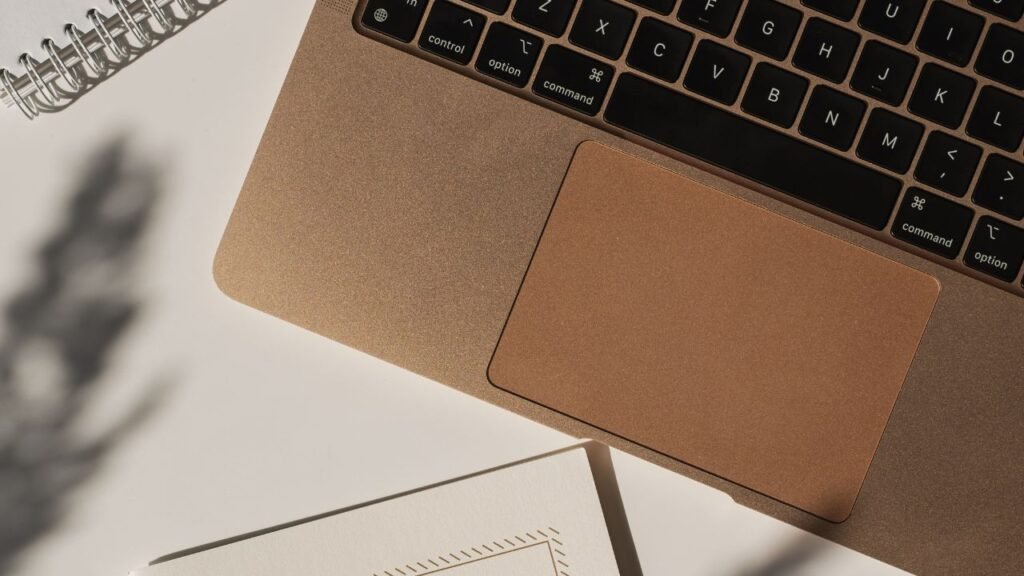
255, 422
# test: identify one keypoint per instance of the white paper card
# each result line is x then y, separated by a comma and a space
538, 518
24, 24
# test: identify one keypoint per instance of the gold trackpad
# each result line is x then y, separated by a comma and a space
713, 331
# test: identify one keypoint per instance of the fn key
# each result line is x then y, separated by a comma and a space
397, 18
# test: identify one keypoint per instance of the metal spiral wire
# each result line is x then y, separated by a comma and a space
90, 56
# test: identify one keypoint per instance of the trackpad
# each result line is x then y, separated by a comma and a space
713, 331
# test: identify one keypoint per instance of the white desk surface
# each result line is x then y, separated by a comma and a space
260, 422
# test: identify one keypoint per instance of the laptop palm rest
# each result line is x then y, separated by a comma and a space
714, 331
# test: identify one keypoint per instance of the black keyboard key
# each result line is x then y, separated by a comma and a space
996, 249
1009, 9
1002, 56
659, 49
602, 27
884, 73
452, 31
933, 223
832, 117
753, 151
826, 50
890, 140
769, 28
998, 118
894, 19
496, 6
714, 16
947, 163
549, 16
397, 18
950, 33
1001, 187
572, 79
659, 6
717, 72
508, 54
774, 95
942, 95
842, 9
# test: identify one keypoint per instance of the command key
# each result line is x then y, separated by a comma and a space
572, 79
933, 223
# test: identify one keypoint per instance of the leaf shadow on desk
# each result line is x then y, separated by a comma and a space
796, 554
791, 556
60, 332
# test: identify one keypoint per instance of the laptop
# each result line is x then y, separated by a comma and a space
771, 245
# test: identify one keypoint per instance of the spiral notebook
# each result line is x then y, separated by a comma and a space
54, 51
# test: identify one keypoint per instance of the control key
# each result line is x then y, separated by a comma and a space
452, 31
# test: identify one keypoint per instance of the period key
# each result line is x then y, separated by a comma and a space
508, 54
1001, 186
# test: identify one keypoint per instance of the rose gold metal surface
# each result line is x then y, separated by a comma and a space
394, 205
713, 331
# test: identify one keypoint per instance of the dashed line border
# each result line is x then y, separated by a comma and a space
549, 537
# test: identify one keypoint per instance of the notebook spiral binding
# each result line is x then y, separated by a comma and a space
89, 57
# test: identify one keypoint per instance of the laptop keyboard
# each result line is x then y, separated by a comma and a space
903, 118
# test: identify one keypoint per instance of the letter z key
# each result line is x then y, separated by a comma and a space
549, 16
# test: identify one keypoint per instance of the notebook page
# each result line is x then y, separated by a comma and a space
538, 518
25, 23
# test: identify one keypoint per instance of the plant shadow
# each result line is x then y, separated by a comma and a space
59, 335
